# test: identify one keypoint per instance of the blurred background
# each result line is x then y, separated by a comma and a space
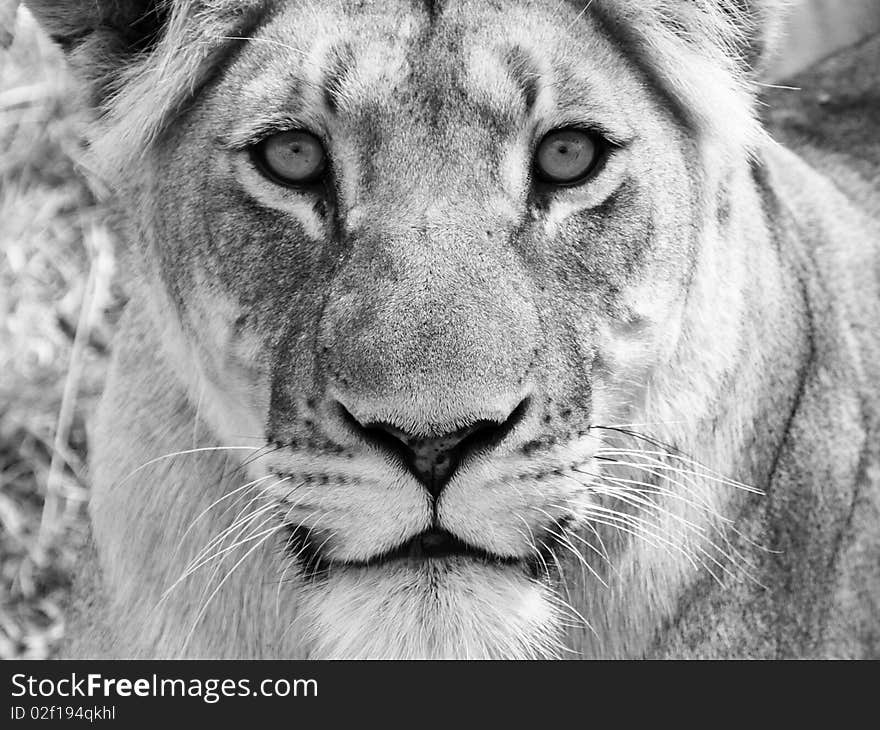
58, 305
52, 235
816, 28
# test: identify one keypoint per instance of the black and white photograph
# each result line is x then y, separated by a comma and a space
437, 330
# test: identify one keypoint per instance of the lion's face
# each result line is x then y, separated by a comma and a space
426, 333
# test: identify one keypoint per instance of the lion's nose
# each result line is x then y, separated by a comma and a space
434, 459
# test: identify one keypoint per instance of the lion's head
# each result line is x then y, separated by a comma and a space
437, 262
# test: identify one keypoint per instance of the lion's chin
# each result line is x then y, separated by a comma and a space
453, 608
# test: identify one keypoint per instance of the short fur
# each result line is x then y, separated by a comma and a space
692, 334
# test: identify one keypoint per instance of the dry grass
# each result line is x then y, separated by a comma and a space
51, 237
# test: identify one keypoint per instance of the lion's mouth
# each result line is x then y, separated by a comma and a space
431, 545
437, 544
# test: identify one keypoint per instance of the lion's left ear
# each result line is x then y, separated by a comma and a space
756, 28
141, 60
102, 38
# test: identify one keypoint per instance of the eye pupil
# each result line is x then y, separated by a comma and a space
292, 158
566, 156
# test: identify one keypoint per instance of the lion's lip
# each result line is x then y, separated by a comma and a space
431, 544
435, 544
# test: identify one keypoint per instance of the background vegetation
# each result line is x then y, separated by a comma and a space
52, 237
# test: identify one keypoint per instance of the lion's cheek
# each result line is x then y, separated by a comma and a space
221, 359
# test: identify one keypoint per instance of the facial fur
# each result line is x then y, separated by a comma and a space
430, 283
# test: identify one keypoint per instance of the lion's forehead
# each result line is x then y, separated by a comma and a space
473, 75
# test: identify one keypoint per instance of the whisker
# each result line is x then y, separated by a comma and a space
185, 452
213, 504
267, 41
640, 528
558, 600
227, 548
257, 533
731, 556
675, 454
604, 550
555, 559
207, 603
579, 15
205, 556
567, 544
241, 518
697, 491
266, 449
618, 487
533, 544
571, 533
663, 471
644, 424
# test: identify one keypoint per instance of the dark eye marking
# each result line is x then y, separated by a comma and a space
524, 72
340, 63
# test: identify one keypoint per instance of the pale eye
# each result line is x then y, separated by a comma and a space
292, 158
566, 156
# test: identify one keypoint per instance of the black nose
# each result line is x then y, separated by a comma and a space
433, 460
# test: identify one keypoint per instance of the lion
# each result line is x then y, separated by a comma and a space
467, 329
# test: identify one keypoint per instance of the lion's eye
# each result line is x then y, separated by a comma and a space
292, 158
566, 156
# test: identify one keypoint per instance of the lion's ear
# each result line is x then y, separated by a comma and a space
757, 28
102, 37
143, 60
